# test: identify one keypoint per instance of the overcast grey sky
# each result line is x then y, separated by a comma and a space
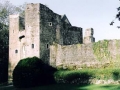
96, 14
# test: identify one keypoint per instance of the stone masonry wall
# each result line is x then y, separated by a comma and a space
14, 45
32, 30
55, 28
96, 54
73, 36
24, 40
48, 25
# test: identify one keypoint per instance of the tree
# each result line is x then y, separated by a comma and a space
118, 14
3, 53
6, 8
117, 17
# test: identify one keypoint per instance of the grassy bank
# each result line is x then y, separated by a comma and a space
84, 76
79, 80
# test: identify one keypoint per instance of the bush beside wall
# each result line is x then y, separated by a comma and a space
32, 72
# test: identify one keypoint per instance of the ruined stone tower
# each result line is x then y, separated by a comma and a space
88, 38
24, 41
32, 35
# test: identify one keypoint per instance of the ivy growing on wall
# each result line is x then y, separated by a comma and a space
100, 49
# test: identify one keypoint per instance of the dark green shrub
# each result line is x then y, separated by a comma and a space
4, 40
31, 72
116, 74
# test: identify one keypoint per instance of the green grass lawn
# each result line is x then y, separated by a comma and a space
103, 74
71, 87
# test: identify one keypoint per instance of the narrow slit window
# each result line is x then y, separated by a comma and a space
47, 46
16, 51
32, 45
21, 37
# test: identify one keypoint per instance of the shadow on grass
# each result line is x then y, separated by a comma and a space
56, 87
69, 87
70, 77
116, 74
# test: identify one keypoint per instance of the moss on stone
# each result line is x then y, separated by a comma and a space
79, 45
100, 49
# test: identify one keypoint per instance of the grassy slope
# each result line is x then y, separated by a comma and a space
103, 74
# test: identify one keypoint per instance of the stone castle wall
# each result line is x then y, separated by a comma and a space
33, 34
24, 40
96, 54
48, 25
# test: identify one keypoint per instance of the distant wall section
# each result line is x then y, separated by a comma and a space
95, 54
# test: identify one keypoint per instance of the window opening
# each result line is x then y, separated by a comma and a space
21, 37
32, 45
47, 46
50, 23
16, 51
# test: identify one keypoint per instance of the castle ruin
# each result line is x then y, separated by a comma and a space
33, 34
52, 38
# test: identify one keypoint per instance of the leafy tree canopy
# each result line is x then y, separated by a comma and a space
6, 9
117, 17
